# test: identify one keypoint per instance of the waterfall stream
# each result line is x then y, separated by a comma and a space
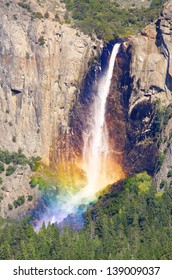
96, 144
95, 160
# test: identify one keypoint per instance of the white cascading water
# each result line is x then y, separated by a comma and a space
96, 144
96, 148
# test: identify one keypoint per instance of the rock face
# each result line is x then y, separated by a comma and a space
151, 76
41, 66
15, 186
151, 64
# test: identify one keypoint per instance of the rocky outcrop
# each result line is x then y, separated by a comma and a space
151, 75
151, 64
151, 67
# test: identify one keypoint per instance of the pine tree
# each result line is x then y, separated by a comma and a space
5, 251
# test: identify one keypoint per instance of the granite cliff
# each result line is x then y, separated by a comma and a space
45, 67
150, 100
42, 63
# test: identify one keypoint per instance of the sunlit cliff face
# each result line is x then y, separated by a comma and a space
82, 175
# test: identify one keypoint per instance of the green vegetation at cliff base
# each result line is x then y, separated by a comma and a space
131, 221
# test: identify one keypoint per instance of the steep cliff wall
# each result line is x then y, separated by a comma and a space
42, 63
151, 74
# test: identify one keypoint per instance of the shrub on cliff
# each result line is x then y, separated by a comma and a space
19, 201
1, 167
38, 181
18, 159
163, 184
169, 173
160, 161
10, 170
41, 40
25, 6
37, 15
30, 197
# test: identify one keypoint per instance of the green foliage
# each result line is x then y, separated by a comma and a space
158, 117
10, 170
160, 161
15, 17
34, 163
108, 20
163, 184
37, 15
167, 115
30, 197
157, 3
18, 158
1, 181
14, 139
141, 181
42, 184
41, 40
5, 251
67, 18
57, 18
161, 120
25, 6
46, 15
1, 167
170, 136
123, 224
169, 173
33, 182
27, 55
1, 197
10, 207
19, 201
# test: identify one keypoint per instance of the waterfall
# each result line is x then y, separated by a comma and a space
96, 146
99, 167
